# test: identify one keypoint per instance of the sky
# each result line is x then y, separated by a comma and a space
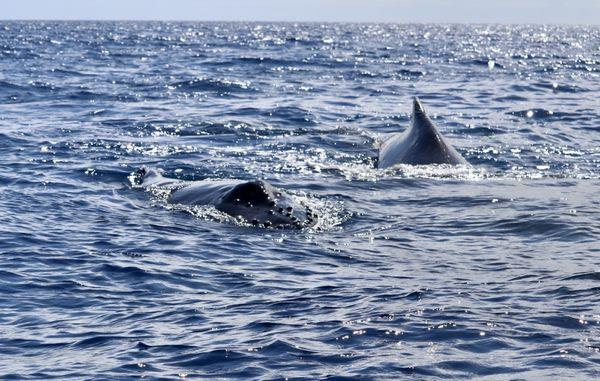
400, 11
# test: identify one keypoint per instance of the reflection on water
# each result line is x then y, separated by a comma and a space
419, 272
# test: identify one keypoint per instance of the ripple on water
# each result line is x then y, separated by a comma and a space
428, 272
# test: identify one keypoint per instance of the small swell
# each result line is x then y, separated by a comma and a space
406, 73
221, 86
9, 86
538, 114
542, 228
211, 358
592, 275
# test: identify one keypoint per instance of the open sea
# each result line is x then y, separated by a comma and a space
431, 272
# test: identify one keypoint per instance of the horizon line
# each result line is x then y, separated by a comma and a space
299, 22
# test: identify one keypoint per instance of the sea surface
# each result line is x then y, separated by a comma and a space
490, 272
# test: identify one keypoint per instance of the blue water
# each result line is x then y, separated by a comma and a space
416, 273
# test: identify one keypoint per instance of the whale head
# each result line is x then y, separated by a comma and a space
261, 204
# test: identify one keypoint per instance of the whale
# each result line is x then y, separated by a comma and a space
256, 202
420, 144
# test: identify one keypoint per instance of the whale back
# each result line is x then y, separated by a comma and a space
259, 202
421, 144
256, 201
257, 192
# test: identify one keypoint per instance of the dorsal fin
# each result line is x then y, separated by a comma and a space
417, 107
420, 144
421, 123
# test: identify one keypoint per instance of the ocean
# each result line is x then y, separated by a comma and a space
417, 272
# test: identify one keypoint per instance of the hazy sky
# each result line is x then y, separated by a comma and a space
475, 11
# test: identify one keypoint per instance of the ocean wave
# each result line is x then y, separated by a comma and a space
415, 271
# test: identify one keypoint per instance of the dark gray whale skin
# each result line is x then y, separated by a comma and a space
256, 201
421, 144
